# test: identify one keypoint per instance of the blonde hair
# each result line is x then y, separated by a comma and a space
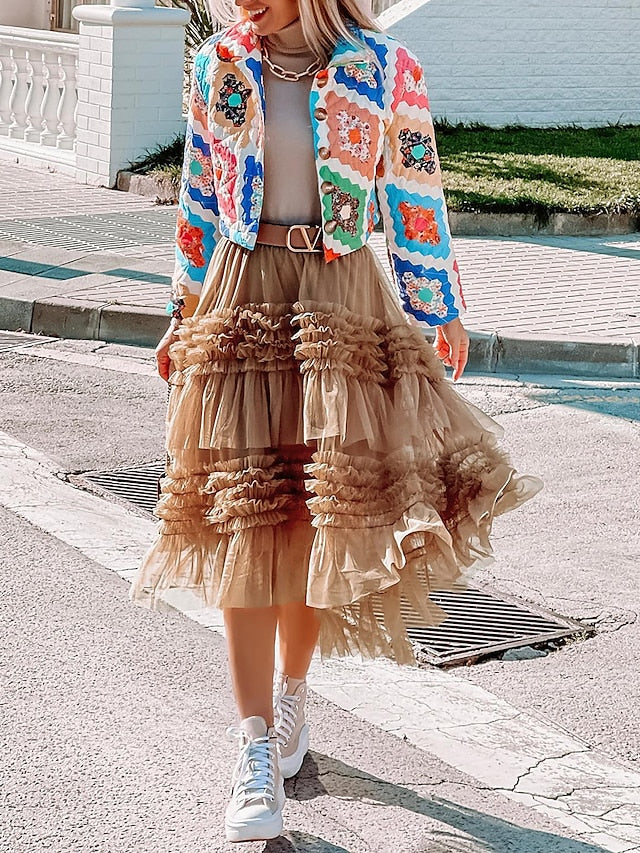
324, 22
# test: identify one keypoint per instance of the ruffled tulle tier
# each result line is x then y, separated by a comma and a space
317, 453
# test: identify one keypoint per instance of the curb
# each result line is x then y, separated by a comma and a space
67, 318
468, 224
149, 186
489, 352
521, 353
463, 223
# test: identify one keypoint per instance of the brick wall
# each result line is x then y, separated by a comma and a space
130, 73
531, 62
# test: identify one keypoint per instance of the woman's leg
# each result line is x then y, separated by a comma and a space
298, 628
251, 633
255, 809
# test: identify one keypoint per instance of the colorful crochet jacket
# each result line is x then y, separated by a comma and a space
374, 144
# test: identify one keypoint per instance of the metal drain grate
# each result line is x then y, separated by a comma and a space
481, 622
95, 232
12, 340
137, 485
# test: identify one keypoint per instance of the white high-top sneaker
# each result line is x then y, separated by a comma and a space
257, 797
290, 725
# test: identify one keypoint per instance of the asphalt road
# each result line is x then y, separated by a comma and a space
112, 735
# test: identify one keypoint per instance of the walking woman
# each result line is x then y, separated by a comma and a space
323, 475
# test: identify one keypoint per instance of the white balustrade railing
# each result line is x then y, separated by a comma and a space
38, 95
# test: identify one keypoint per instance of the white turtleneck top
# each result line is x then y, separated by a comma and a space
290, 180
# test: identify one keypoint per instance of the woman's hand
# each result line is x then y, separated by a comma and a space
163, 362
452, 346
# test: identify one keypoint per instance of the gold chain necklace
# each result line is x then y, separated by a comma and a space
283, 73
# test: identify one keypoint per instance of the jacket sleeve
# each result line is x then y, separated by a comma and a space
414, 212
197, 218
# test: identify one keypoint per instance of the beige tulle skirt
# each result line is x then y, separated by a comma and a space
316, 453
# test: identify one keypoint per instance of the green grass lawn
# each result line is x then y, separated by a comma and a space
517, 169
541, 170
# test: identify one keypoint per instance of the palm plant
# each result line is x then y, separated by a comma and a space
201, 25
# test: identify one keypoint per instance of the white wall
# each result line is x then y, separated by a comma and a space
531, 62
25, 13
130, 76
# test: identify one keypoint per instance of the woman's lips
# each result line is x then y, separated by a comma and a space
257, 15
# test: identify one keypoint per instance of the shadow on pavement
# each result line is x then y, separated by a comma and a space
615, 402
324, 776
612, 245
301, 842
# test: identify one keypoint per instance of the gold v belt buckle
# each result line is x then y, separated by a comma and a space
304, 229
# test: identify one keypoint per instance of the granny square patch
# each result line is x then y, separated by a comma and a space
419, 222
195, 239
226, 173
232, 100
253, 189
363, 72
344, 210
417, 151
413, 152
345, 205
353, 135
373, 214
425, 291
189, 240
198, 171
365, 78
425, 294
409, 84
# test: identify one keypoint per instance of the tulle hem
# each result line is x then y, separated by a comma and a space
317, 454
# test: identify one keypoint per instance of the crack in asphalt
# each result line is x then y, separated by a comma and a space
445, 729
457, 782
539, 763
385, 724
604, 814
600, 622
543, 799
588, 836
622, 624
409, 785
598, 788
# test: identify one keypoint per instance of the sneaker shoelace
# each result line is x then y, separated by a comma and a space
255, 775
286, 713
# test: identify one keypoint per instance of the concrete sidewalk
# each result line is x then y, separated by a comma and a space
114, 717
114, 740
85, 262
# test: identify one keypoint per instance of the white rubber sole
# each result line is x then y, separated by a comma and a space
256, 830
261, 830
290, 765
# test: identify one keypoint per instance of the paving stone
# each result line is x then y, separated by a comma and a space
530, 290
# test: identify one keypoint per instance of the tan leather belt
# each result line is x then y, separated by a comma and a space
296, 238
